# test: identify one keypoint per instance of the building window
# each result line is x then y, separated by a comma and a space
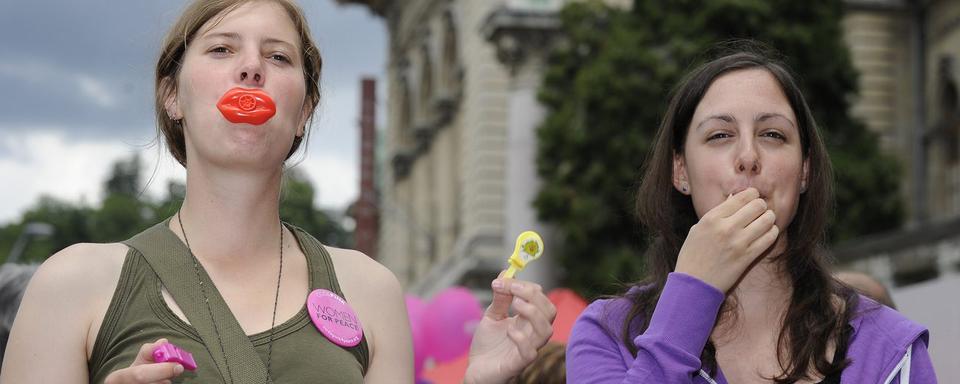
426, 84
949, 103
450, 66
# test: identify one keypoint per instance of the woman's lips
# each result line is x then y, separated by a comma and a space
251, 106
741, 186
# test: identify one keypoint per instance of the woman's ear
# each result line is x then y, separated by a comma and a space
168, 91
681, 181
304, 117
804, 176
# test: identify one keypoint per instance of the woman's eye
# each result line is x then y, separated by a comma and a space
219, 50
280, 57
718, 136
775, 135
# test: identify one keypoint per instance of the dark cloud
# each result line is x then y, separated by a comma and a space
82, 66
87, 66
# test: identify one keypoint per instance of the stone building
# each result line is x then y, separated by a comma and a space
906, 53
462, 111
459, 175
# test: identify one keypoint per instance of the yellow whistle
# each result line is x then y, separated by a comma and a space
529, 247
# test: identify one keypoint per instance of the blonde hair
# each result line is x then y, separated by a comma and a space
182, 34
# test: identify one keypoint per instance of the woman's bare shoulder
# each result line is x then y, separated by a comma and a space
84, 273
357, 270
79, 281
377, 296
86, 263
371, 288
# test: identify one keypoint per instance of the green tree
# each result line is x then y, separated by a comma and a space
125, 178
70, 224
120, 217
296, 207
170, 204
125, 211
606, 88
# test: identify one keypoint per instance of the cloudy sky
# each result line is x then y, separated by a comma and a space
77, 83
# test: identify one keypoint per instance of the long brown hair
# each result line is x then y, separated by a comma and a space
183, 33
550, 366
812, 320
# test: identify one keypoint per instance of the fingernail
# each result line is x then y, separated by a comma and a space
497, 284
178, 369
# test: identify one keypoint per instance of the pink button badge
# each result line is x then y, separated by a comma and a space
334, 318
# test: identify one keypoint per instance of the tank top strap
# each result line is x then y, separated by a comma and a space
226, 342
322, 273
324, 276
131, 271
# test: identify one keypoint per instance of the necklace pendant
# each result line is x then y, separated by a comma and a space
334, 318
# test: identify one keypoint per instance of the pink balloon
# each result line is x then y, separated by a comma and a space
415, 310
448, 323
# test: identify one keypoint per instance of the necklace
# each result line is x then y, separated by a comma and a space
203, 292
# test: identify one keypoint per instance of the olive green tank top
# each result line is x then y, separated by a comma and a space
139, 315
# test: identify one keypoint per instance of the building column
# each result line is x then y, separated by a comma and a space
522, 36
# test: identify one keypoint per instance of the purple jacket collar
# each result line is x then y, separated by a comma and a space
683, 320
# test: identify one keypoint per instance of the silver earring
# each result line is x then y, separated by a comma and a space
684, 188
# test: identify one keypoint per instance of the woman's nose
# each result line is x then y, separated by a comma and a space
255, 77
250, 73
748, 159
754, 167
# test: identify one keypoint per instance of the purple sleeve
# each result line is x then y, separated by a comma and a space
921, 368
669, 350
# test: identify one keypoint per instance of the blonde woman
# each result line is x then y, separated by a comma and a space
236, 84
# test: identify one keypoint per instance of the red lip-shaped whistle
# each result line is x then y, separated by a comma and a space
251, 106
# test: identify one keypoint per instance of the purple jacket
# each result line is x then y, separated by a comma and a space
669, 350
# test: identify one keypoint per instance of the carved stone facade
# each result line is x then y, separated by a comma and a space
462, 78
459, 174
459, 177
905, 52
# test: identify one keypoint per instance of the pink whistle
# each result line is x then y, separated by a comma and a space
169, 353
